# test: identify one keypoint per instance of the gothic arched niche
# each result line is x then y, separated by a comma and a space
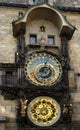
46, 12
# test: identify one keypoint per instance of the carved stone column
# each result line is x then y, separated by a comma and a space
20, 56
21, 42
64, 47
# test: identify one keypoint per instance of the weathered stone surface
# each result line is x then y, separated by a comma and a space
7, 108
71, 79
75, 97
71, 3
74, 43
7, 41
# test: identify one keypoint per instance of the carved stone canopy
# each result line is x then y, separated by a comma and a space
44, 11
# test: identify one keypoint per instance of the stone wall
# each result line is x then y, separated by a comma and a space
7, 41
68, 3
74, 53
8, 108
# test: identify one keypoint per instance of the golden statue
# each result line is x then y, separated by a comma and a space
23, 107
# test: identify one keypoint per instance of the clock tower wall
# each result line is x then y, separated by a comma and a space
8, 44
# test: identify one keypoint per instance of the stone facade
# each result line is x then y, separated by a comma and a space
74, 49
8, 47
68, 3
7, 15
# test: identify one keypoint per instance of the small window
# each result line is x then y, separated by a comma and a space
33, 39
9, 77
51, 40
33, 1
38, 1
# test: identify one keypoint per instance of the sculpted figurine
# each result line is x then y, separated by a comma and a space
23, 107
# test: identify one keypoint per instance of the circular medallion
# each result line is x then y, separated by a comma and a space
43, 69
44, 111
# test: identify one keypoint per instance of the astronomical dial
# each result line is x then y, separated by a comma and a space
43, 69
44, 111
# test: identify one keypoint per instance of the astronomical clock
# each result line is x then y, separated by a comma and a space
43, 69
43, 72
45, 92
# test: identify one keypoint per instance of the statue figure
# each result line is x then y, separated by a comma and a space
23, 107
21, 112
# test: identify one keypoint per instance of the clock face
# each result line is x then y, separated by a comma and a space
43, 69
44, 111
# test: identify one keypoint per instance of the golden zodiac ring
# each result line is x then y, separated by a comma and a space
44, 111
